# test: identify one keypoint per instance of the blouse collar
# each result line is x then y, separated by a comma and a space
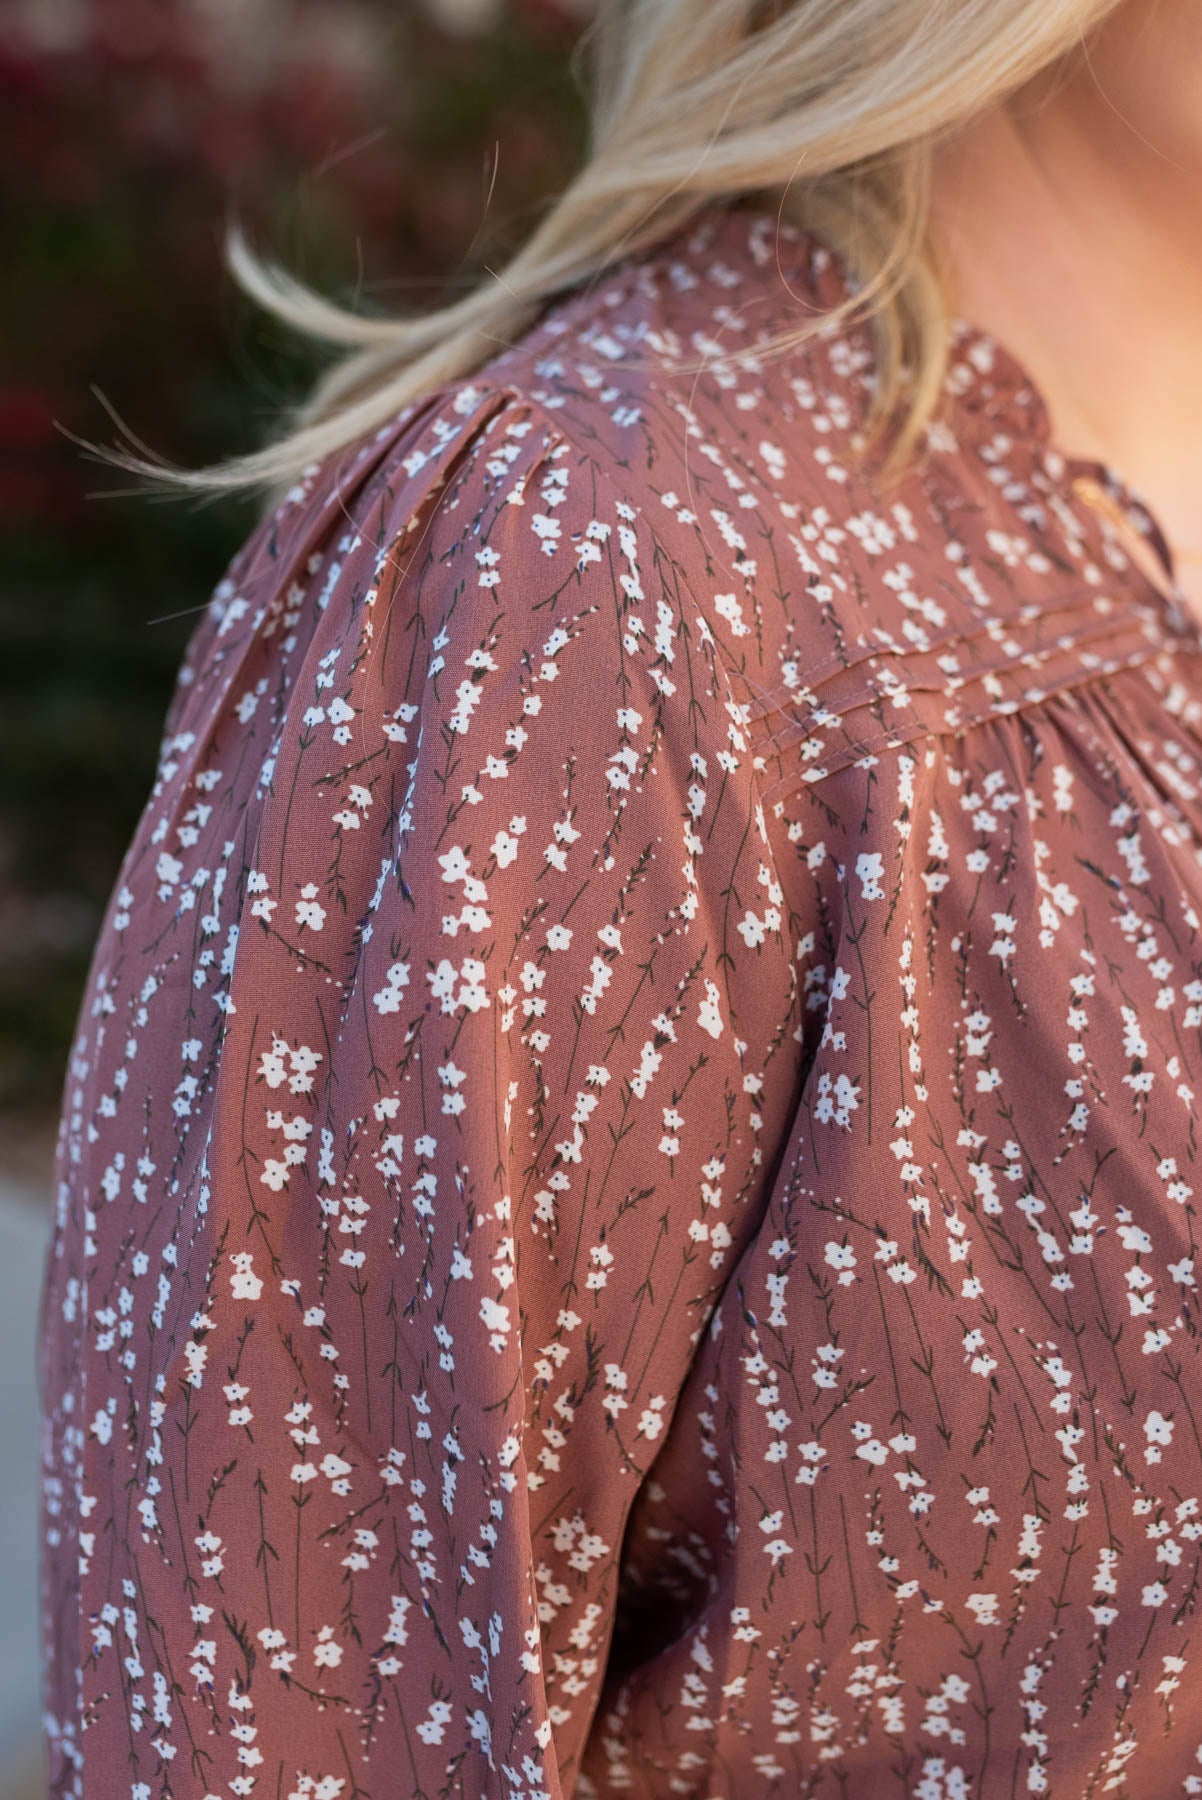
988, 385
1002, 393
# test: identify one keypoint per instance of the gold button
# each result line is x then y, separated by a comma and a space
1096, 496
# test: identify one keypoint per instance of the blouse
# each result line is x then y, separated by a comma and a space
625, 1194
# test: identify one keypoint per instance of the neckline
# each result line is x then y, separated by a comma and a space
1014, 385
1002, 391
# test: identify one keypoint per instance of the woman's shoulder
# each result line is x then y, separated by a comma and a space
643, 423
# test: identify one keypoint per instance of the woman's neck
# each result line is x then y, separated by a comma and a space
1070, 223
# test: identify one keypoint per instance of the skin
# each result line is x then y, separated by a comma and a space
1072, 209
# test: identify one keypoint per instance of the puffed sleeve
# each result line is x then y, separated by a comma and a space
511, 1038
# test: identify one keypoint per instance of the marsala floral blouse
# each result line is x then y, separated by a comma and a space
627, 1192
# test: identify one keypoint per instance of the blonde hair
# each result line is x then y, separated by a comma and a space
826, 108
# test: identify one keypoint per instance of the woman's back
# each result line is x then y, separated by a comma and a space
595, 1237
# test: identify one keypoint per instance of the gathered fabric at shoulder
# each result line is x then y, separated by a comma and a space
885, 691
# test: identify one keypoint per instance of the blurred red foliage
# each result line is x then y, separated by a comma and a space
380, 155
131, 124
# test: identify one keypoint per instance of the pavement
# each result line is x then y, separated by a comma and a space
24, 1229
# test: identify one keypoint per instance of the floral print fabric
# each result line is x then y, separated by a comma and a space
626, 1189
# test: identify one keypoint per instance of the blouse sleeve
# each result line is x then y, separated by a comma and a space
512, 1037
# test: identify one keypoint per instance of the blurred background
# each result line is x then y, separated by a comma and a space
383, 150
